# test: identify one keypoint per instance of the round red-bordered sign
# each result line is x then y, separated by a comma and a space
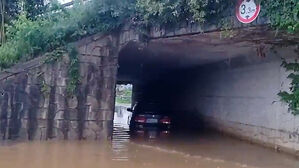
247, 11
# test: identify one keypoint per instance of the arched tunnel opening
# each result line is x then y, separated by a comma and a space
202, 81
160, 83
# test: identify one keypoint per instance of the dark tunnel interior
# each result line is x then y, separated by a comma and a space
169, 72
161, 78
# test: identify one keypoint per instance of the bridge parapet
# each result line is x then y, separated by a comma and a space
187, 28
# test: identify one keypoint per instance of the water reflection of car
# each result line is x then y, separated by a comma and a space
149, 121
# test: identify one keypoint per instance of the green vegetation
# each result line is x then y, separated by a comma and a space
172, 11
27, 38
285, 15
73, 71
124, 94
282, 14
292, 98
10, 9
123, 100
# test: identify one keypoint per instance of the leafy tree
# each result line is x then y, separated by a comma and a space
34, 8
9, 9
12, 9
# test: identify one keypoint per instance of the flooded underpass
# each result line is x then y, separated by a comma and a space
207, 84
180, 149
238, 90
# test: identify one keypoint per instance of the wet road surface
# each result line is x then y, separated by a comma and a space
176, 150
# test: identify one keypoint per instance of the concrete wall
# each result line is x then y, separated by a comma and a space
240, 97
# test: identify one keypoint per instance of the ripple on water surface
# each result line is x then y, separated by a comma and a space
176, 151
126, 154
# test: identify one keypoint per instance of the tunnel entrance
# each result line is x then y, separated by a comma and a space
171, 72
204, 81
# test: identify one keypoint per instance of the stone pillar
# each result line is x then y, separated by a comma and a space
98, 70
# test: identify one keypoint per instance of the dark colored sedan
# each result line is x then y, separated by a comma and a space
149, 121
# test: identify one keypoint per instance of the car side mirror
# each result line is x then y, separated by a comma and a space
130, 109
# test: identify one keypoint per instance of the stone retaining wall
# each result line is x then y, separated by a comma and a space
34, 103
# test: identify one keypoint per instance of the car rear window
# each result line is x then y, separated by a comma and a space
147, 107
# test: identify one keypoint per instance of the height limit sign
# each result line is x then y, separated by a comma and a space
247, 10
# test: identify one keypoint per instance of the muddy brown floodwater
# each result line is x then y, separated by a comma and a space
187, 150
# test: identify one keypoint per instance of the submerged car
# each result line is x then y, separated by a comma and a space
149, 121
